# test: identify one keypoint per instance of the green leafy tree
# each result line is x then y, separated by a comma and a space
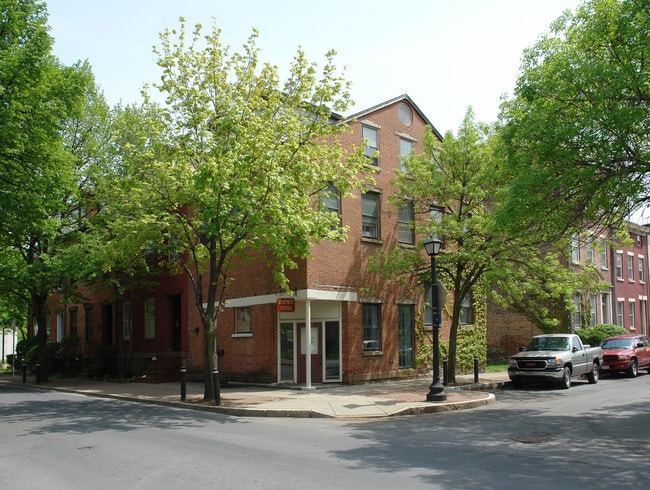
43, 137
577, 132
231, 167
455, 186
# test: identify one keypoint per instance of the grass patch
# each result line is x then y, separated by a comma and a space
496, 367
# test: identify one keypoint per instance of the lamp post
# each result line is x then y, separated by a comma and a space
436, 390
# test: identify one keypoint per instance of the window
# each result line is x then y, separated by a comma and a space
630, 267
603, 255
371, 327
593, 309
619, 313
591, 252
435, 218
577, 314
126, 321
73, 322
370, 215
371, 140
605, 305
88, 324
149, 318
330, 198
575, 249
466, 310
243, 320
405, 149
405, 231
641, 269
405, 333
632, 315
619, 266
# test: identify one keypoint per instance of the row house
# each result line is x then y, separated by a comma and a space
623, 300
341, 324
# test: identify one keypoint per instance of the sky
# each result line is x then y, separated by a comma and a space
447, 55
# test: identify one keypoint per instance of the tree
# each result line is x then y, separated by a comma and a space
231, 167
577, 132
44, 143
455, 186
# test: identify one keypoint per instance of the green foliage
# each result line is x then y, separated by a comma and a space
227, 169
596, 334
576, 134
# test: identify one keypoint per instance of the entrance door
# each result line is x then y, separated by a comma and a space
316, 353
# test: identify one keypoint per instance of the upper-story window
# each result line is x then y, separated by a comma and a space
591, 252
603, 255
149, 318
630, 267
619, 266
641, 269
330, 200
405, 231
370, 215
370, 136
406, 147
575, 249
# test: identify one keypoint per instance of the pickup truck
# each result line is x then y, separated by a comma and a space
555, 358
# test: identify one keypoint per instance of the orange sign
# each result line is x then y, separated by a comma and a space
286, 305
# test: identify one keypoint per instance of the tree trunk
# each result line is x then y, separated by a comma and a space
209, 359
38, 306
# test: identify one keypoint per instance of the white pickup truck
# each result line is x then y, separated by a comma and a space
555, 358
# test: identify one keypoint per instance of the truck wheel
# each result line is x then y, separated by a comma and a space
633, 370
592, 377
565, 384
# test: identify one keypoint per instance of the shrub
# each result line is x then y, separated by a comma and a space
595, 335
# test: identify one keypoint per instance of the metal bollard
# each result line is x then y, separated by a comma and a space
24, 373
183, 384
475, 369
38, 373
445, 371
217, 391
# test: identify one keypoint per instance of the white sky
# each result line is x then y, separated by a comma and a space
446, 54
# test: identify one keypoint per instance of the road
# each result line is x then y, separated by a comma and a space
591, 436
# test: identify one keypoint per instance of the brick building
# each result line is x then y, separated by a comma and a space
624, 301
355, 334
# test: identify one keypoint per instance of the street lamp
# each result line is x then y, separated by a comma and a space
436, 390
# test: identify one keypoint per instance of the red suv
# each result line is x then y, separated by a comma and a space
626, 353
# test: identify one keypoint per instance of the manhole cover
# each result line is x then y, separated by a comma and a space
533, 438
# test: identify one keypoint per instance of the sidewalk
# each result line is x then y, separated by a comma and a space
377, 399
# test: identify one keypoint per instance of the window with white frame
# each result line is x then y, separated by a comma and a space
632, 314
242, 320
126, 321
591, 251
603, 254
630, 267
606, 308
405, 230
435, 216
149, 318
619, 313
370, 215
406, 147
577, 312
619, 266
593, 313
575, 249
370, 136
641, 261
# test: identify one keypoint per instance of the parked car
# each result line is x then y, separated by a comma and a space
626, 353
555, 358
